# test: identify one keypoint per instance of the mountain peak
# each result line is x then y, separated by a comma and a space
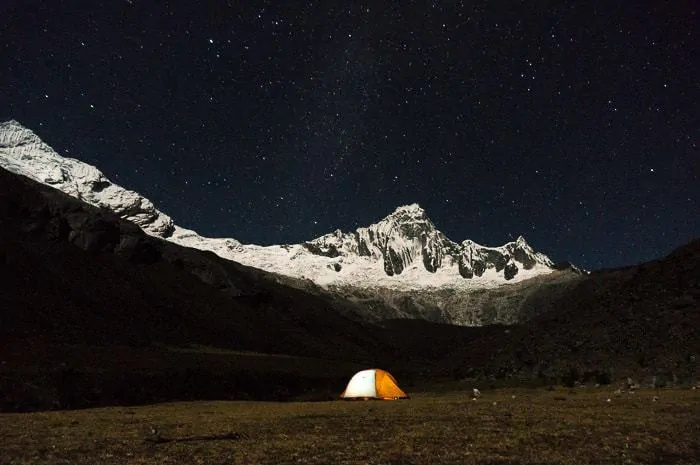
411, 209
14, 135
410, 213
13, 126
23, 152
13, 123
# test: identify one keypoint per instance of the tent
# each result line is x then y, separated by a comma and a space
373, 384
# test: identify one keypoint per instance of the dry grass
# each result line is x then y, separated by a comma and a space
534, 427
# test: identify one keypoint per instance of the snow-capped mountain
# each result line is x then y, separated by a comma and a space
401, 263
407, 237
23, 152
402, 251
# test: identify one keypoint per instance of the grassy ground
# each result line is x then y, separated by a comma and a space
505, 426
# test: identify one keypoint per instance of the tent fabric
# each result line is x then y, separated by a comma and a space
373, 384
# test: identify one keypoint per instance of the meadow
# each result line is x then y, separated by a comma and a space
505, 426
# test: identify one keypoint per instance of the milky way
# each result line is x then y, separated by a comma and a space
574, 125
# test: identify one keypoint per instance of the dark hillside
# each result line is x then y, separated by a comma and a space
640, 321
76, 276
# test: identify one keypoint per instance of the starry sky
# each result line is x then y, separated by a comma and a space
574, 124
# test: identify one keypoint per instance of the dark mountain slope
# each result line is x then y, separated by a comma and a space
129, 288
640, 320
75, 278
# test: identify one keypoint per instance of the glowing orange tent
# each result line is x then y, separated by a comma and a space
373, 384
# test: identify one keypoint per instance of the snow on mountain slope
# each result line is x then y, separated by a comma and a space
23, 152
401, 253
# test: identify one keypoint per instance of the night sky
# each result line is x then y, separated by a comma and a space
574, 124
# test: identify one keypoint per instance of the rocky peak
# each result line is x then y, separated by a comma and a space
411, 212
23, 152
407, 237
13, 134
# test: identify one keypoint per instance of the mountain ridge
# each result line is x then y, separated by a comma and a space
401, 253
23, 152
399, 239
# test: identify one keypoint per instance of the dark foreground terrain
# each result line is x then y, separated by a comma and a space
520, 426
